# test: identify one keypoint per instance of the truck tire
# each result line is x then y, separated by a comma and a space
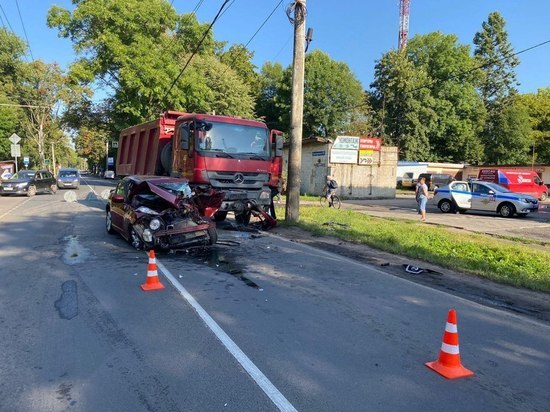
166, 158
220, 216
212, 236
243, 218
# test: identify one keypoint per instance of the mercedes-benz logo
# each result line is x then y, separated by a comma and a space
238, 178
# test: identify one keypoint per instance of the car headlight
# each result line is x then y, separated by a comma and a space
524, 200
154, 224
22, 184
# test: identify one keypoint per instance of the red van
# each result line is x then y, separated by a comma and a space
519, 181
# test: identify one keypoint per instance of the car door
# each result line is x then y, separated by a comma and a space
38, 182
483, 198
461, 194
119, 209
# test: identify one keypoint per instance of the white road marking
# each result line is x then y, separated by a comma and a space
15, 207
261, 380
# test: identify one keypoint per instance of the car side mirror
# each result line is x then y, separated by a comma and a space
117, 199
491, 192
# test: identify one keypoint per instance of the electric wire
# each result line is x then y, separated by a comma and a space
196, 49
254, 35
24, 30
7, 20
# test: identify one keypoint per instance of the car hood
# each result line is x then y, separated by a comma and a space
16, 181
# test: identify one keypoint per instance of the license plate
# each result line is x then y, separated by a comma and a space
8, 188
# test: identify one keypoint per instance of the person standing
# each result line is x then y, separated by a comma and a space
422, 196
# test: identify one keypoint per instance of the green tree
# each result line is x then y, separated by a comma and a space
459, 109
331, 95
538, 107
496, 57
268, 101
139, 50
405, 104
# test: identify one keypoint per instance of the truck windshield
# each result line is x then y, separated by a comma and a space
235, 140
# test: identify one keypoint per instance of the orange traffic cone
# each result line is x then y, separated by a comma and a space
152, 282
448, 363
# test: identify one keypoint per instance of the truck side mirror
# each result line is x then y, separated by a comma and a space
279, 142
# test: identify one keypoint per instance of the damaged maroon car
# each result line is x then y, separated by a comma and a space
153, 212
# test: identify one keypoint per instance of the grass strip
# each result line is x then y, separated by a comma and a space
479, 254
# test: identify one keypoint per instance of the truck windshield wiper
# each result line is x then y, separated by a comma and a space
254, 156
220, 153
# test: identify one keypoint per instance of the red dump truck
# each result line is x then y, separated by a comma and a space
242, 158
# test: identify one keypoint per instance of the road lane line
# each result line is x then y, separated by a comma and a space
261, 380
15, 207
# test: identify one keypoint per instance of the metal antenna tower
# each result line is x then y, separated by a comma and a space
403, 23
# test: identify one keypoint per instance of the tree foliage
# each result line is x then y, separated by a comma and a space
538, 107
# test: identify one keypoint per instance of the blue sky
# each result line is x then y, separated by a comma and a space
357, 32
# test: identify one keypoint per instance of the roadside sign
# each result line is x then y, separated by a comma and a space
47, 161
26, 161
111, 161
114, 145
15, 150
14, 138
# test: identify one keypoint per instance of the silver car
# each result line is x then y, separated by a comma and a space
460, 196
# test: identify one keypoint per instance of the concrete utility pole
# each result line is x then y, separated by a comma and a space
297, 114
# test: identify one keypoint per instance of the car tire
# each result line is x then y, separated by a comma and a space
543, 196
134, 239
461, 211
506, 210
220, 216
446, 206
109, 223
53, 189
212, 236
31, 191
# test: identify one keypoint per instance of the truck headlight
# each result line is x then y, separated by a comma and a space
265, 195
154, 224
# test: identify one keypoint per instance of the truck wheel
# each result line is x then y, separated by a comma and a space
506, 210
220, 216
445, 206
134, 239
212, 235
243, 218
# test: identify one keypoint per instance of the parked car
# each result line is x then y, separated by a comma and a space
407, 180
29, 182
460, 196
162, 212
68, 178
109, 174
435, 180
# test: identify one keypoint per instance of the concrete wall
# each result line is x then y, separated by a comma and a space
355, 181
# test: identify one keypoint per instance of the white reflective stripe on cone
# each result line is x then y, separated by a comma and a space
451, 328
450, 349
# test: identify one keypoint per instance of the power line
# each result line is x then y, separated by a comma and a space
6, 17
254, 35
196, 49
24, 30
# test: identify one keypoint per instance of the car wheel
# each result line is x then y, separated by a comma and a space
31, 191
461, 211
445, 206
134, 239
506, 210
220, 216
53, 189
109, 223
243, 218
543, 196
212, 235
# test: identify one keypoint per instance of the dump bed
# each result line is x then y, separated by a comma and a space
140, 146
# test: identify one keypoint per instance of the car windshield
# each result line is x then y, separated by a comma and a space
234, 139
177, 188
67, 173
24, 174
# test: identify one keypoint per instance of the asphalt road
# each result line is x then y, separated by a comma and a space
257, 322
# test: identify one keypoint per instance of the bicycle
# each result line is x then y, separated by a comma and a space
333, 202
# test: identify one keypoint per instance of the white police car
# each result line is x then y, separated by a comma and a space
460, 196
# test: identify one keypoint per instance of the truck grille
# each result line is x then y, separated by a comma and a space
237, 180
